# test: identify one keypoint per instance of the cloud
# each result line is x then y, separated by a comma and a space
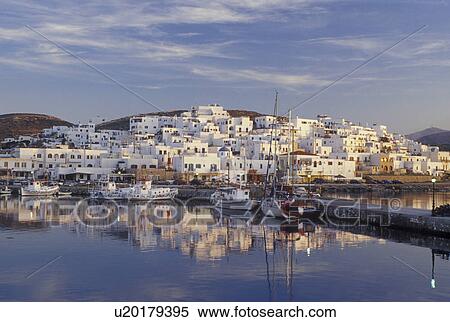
363, 43
270, 77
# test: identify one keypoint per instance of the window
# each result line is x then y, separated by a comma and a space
50, 155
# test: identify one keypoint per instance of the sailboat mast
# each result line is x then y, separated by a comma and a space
275, 158
270, 144
289, 172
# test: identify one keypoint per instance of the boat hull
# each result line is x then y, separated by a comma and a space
144, 197
237, 205
39, 193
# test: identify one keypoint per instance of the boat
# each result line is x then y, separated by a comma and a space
108, 190
138, 192
301, 192
302, 207
5, 191
144, 191
233, 199
64, 194
38, 189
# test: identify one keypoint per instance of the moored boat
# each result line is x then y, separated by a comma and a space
38, 189
302, 207
5, 191
144, 191
234, 199
138, 192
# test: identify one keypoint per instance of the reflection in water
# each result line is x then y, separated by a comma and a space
196, 232
193, 229
421, 200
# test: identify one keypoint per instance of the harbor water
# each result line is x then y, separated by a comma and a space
70, 249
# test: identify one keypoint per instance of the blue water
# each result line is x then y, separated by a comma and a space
48, 255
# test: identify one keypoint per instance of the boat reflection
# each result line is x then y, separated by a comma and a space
194, 228
197, 231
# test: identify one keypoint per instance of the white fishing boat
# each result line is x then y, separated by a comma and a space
234, 199
64, 194
145, 191
108, 190
138, 192
301, 192
5, 191
38, 189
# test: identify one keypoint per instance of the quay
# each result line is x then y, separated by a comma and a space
351, 213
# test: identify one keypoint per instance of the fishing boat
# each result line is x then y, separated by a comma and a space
302, 207
301, 192
235, 199
5, 191
144, 191
38, 189
108, 190
64, 194
138, 192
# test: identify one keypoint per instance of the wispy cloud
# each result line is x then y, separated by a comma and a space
270, 77
366, 44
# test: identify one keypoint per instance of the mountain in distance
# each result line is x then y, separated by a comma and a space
416, 136
442, 140
433, 136
17, 124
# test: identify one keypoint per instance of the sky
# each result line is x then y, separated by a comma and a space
181, 53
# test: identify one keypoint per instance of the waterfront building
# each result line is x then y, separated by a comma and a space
208, 143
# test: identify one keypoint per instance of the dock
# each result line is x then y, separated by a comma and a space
351, 213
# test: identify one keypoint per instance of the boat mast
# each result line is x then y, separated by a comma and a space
270, 145
275, 158
289, 172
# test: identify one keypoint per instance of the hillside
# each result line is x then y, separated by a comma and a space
124, 122
16, 124
416, 136
441, 139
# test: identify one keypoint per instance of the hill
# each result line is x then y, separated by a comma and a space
441, 139
16, 124
416, 136
123, 123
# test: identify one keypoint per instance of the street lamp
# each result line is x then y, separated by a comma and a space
433, 281
433, 181
309, 182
